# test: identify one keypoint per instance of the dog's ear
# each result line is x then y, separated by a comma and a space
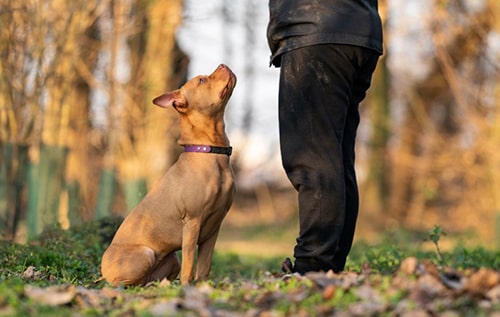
174, 99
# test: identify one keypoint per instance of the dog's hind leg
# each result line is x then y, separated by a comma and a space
127, 265
168, 268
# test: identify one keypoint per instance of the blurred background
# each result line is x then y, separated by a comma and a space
81, 140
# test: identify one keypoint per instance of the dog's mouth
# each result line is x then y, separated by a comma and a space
228, 89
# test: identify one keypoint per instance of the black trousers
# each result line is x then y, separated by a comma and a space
320, 90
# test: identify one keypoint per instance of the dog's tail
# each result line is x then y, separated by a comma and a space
99, 280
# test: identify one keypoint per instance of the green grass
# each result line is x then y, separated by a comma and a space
239, 283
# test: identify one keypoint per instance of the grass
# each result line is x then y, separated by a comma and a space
64, 263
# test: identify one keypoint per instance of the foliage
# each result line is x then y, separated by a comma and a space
435, 235
57, 275
59, 256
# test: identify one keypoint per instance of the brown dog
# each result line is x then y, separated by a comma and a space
186, 206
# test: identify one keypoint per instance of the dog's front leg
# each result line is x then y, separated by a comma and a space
190, 234
205, 253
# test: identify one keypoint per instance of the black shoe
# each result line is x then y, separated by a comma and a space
303, 267
287, 266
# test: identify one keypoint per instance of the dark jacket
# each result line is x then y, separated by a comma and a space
299, 23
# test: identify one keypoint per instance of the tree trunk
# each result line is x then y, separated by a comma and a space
494, 165
161, 54
12, 188
106, 195
79, 183
146, 142
134, 191
45, 187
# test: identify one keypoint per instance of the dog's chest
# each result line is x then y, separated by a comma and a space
204, 184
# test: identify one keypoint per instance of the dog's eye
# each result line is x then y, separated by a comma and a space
202, 80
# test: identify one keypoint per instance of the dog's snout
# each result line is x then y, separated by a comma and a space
222, 72
224, 67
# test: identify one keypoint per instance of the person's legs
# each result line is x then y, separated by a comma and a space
315, 109
351, 189
360, 86
313, 103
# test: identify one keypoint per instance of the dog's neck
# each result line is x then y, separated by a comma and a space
211, 133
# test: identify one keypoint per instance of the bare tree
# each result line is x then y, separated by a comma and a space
53, 56
443, 164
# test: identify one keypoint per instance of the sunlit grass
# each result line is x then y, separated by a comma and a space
240, 279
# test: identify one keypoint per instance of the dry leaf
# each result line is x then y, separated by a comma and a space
366, 308
365, 269
53, 296
416, 313
430, 285
299, 294
428, 267
110, 293
494, 295
164, 283
322, 280
197, 301
30, 273
409, 266
265, 300
350, 279
88, 298
345, 280
329, 292
482, 281
167, 308
426, 288
368, 293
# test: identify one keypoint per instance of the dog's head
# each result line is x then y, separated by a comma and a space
203, 94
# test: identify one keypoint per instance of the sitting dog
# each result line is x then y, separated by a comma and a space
185, 208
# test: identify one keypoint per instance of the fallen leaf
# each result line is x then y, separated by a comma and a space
166, 308
110, 293
298, 294
430, 284
365, 269
31, 273
427, 287
409, 266
322, 280
197, 301
265, 300
368, 293
165, 283
329, 292
428, 267
53, 296
480, 282
345, 280
494, 295
366, 308
416, 313
88, 297
451, 313
351, 279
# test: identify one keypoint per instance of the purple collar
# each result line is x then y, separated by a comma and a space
208, 149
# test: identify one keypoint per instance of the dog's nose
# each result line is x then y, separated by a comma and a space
225, 67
